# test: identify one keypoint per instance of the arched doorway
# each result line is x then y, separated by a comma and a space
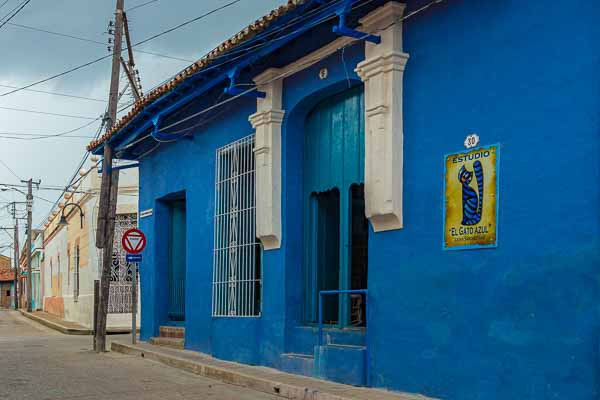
335, 227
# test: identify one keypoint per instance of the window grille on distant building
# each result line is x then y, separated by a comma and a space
76, 273
236, 288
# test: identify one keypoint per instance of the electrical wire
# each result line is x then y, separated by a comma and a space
33, 136
71, 70
47, 113
56, 75
165, 32
231, 3
71, 180
56, 93
140, 5
10, 170
41, 198
61, 133
6, 19
10, 12
33, 28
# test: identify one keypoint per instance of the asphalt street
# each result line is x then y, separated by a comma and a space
40, 364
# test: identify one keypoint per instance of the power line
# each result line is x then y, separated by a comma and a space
9, 13
15, 188
41, 198
83, 39
81, 163
56, 93
15, 13
56, 76
47, 113
188, 22
10, 170
8, 137
141, 5
54, 135
110, 55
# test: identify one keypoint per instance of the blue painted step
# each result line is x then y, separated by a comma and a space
340, 363
302, 364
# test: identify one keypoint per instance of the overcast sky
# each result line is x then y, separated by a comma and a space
27, 56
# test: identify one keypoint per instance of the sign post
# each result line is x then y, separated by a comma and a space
133, 242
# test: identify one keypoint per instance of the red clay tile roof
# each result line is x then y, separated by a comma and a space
6, 275
245, 34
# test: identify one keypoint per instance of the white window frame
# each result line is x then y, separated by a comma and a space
237, 277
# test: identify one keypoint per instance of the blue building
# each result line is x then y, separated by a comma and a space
297, 173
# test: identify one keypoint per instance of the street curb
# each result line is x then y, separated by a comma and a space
74, 331
55, 326
230, 376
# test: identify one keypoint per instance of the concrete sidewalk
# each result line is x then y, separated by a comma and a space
67, 327
260, 379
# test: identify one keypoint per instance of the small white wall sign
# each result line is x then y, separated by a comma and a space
146, 213
472, 141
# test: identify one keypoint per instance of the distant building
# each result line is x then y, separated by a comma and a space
71, 261
37, 247
7, 279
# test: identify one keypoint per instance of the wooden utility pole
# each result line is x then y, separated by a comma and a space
109, 189
16, 262
16, 255
129, 67
28, 243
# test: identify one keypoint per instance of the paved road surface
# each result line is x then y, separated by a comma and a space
37, 363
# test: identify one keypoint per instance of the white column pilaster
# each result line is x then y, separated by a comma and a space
267, 149
382, 72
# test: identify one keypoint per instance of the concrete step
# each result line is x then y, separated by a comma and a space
176, 343
295, 363
341, 363
172, 332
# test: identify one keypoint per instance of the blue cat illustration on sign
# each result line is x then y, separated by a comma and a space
472, 203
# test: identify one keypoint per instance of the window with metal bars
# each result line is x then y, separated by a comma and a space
68, 267
236, 290
76, 273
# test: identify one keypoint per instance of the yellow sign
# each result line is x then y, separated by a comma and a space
471, 199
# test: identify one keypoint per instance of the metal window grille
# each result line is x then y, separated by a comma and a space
119, 293
236, 290
76, 274
68, 268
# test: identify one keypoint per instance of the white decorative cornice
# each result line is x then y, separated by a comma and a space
267, 150
382, 72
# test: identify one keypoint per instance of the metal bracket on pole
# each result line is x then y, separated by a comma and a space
235, 91
342, 30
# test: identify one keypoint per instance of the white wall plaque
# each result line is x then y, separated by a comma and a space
146, 213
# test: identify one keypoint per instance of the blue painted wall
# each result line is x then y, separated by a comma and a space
520, 321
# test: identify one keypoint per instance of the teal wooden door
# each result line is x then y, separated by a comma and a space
177, 261
333, 162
